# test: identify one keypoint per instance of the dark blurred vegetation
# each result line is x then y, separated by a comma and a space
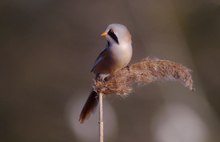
47, 48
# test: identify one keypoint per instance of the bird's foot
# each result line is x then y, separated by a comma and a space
128, 68
107, 78
103, 77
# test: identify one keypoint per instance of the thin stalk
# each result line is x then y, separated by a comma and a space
101, 123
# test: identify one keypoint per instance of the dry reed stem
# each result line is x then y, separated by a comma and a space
143, 72
101, 120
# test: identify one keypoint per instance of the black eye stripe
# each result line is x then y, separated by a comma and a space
113, 36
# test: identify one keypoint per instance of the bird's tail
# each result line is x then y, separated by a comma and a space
89, 106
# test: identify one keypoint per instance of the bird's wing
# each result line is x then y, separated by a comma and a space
99, 58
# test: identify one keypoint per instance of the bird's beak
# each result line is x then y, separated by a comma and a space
104, 34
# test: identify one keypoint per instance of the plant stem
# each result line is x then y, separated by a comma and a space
101, 123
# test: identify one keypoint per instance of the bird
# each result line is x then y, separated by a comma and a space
115, 56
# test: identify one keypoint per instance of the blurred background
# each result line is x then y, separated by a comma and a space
47, 48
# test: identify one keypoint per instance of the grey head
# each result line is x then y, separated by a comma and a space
117, 34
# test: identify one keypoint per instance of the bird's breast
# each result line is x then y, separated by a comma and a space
121, 55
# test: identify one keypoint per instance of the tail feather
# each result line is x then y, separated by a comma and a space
89, 106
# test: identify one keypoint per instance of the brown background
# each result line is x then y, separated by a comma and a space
47, 48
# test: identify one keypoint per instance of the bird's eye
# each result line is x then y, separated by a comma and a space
110, 31
113, 36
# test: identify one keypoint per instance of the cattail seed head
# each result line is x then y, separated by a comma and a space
144, 72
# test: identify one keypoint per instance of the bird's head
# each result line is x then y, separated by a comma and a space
117, 34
